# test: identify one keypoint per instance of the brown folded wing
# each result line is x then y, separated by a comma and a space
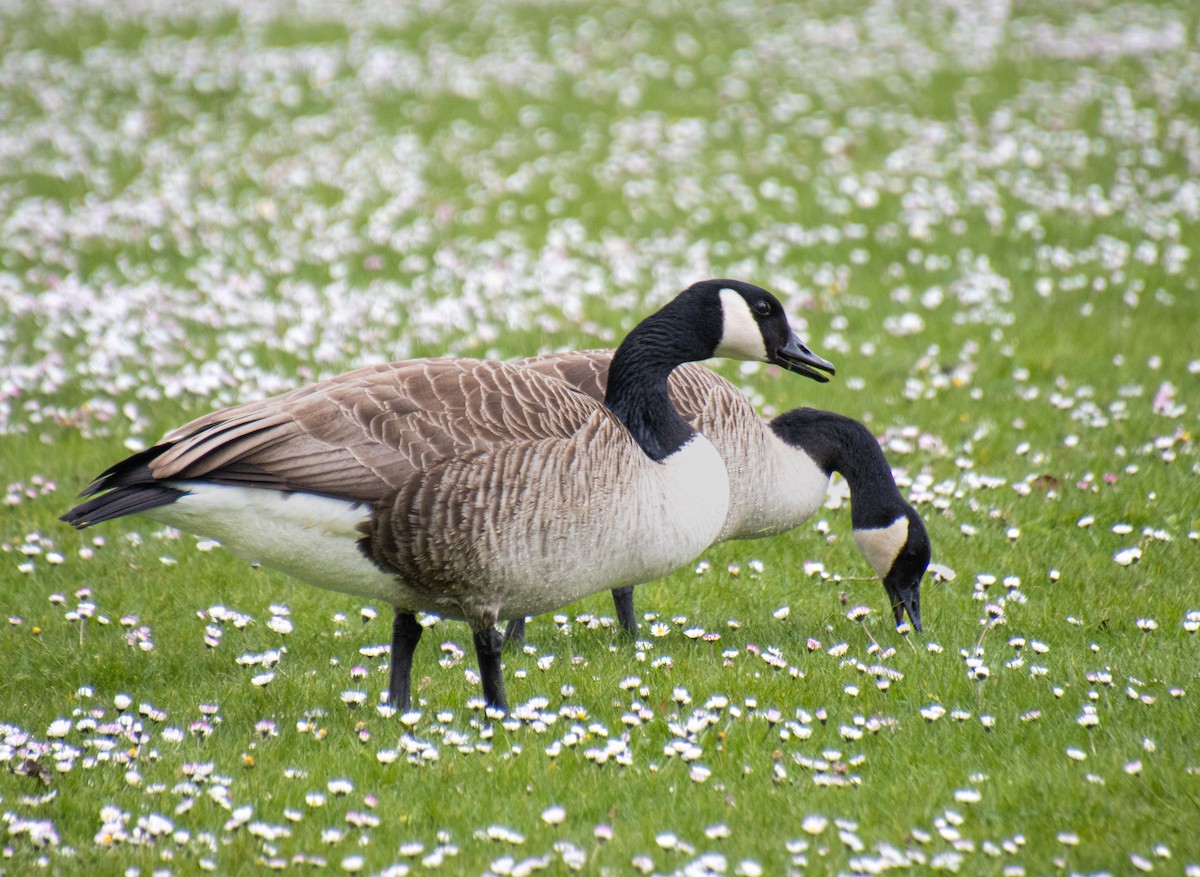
363, 434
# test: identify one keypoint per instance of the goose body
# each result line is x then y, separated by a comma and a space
435, 489
472, 489
779, 473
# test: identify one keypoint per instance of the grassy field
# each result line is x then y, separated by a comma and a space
986, 214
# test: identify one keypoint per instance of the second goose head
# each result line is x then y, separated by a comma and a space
887, 529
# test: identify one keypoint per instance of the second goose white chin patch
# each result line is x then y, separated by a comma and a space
882, 545
741, 336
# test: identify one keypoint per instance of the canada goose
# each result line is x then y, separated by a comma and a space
470, 489
779, 472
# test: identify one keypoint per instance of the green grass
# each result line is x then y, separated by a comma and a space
205, 207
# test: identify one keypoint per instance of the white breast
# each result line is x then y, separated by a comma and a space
670, 513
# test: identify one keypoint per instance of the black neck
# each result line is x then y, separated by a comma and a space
841, 444
637, 378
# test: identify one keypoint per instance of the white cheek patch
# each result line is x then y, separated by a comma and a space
741, 337
882, 545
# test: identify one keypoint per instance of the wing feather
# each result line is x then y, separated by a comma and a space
365, 433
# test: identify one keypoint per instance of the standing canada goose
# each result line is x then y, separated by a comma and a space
779, 472
471, 489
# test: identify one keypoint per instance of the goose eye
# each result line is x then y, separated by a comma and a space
762, 308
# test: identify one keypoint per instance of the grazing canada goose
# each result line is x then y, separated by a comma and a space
778, 474
470, 489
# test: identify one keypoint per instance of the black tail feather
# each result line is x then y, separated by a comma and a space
125, 488
120, 502
130, 487
132, 470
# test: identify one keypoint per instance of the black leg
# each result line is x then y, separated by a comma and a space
515, 632
488, 644
623, 599
406, 633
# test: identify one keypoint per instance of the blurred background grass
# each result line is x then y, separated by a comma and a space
985, 215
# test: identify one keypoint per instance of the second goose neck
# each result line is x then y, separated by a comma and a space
841, 444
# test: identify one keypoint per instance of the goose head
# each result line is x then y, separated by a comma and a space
887, 529
899, 554
754, 326
727, 318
